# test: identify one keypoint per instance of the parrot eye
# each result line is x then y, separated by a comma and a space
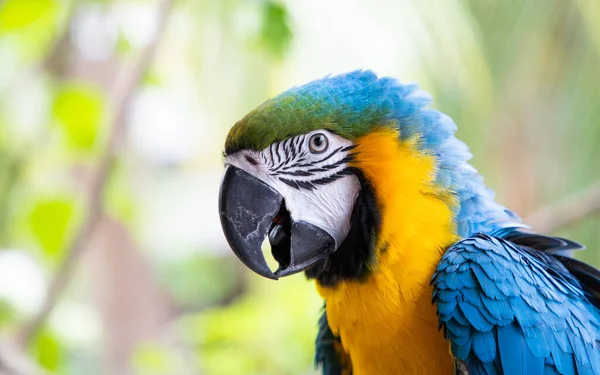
318, 143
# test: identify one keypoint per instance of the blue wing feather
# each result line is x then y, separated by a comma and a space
511, 309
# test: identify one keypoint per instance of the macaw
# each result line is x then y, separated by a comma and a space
358, 183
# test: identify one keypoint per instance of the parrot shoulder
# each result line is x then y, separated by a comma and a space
510, 308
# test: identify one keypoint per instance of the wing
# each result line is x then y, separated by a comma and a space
561, 249
548, 244
329, 352
510, 309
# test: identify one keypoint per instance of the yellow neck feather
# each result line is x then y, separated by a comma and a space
386, 323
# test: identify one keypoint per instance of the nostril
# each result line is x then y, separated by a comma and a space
251, 160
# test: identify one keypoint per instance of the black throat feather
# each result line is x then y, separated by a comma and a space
352, 259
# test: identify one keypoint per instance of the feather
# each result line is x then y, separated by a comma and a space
511, 345
484, 346
539, 315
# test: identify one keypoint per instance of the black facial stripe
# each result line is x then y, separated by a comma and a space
312, 184
295, 173
329, 167
324, 168
330, 179
278, 155
279, 166
346, 159
329, 156
322, 160
272, 161
297, 184
281, 161
290, 150
291, 183
296, 147
336, 176
294, 165
308, 185
286, 151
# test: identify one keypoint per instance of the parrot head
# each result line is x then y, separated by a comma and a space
310, 169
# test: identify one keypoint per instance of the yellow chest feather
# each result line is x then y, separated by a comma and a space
386, 323
383, 332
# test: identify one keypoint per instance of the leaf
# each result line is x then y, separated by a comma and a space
8, 314
79, 110
123, 44
47, 351
19, 14
151, 358
50, 221
275, 33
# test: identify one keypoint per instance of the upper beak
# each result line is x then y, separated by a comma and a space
248, 208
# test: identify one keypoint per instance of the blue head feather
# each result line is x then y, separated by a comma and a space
407, 107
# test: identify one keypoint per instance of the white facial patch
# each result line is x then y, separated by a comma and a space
311, 172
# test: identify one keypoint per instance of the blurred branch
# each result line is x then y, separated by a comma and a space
121, 96
567, 210
13, 360
12, 169
57, 59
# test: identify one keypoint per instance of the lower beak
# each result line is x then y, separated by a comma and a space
249, 210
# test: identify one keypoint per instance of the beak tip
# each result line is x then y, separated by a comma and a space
270, 275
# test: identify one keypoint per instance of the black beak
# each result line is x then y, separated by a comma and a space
249, 210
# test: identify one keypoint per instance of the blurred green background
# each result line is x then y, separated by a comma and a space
113, 114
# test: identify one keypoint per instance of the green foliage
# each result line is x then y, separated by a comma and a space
152, 359
200, 281
50, 222
47, 351
10, 167
151, 78
268, 331
18, 14
275, 32
31, 24
79, 110
123, 44
8, 315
